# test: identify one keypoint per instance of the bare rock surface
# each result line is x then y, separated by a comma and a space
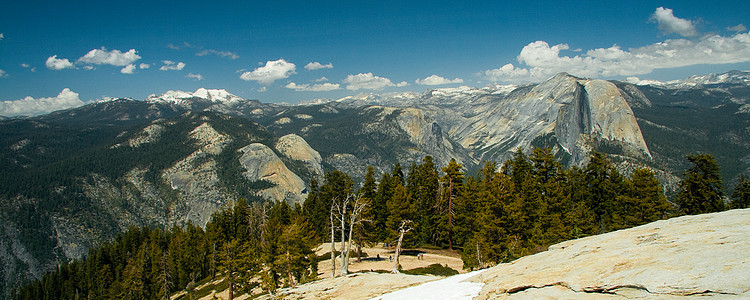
703, 255
261, 163
295, 147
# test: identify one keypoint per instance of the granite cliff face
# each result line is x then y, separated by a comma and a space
296, 148
566, 113
261, 163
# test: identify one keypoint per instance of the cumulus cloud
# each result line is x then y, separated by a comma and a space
129, 69
318, 87
54, 63
144, 66
668, 23
437, 80
317, 66
226, 54
508, 72
114, 57
170, 65
194, 76
178, 47
738, 28
272, 71
2, 35
542, 60
367, 81
321, 79
31, 107
3, 73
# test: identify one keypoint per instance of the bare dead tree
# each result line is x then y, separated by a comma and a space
333, 239
355, 217
405, 227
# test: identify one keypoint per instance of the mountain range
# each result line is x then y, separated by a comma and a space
75, 178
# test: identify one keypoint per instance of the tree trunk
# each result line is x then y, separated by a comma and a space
344, 267
349, 244
450, 213
398, 251
333, 246
359, 250
289, 275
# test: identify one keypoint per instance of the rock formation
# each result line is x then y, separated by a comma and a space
262, 163
685, 256
295, 147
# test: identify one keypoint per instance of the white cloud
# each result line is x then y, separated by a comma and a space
170, 65
272, 71
316, 66
194, 76
129, 69
54, 63
178, 47
227, 54
114, 57
437, 80
27, 66
144, 66
3, 73
508, 72
367, 81
321, 79
542, 60
262, 89
738, 28
2, 35
668, 23
89, 68
31, 107
318, 87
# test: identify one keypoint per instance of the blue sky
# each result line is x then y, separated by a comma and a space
260, 50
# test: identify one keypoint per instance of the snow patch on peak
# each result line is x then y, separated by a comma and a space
179, 97
215, 95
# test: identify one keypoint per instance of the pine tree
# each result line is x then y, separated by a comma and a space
452, 184
366, 232
701, 189
741, 194
422, 184
644, 199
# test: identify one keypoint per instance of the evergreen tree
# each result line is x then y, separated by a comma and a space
379, 209
644, 199
701, 188
422, 184
452, 186
741, 194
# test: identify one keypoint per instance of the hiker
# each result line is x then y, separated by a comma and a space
390, 258
378, 256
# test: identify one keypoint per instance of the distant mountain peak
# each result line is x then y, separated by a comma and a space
731, 77
179, 97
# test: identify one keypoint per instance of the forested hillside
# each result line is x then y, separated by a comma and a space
498, 215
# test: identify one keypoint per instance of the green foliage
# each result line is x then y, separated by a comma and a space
433, 269
741, 194
242, 244
701, 189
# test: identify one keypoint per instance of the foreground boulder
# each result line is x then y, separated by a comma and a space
686, 256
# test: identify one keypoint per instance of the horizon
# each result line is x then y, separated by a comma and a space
298, 52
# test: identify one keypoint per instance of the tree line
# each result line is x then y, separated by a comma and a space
253, 247
500, 214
